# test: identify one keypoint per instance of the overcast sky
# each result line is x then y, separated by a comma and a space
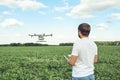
18, 18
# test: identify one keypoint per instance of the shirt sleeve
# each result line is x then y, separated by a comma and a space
75, 49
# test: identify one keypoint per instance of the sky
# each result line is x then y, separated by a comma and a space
19, 18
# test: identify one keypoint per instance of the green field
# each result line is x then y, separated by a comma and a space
48, 63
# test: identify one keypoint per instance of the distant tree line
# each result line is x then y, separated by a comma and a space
66, 44
24, 44
109, 43
102, 43
99, 43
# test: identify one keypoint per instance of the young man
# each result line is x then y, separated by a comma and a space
84, 55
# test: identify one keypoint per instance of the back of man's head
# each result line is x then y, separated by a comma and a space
84, 28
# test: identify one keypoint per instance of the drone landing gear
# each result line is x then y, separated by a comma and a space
41, 41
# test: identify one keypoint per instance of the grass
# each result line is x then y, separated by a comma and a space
48, 63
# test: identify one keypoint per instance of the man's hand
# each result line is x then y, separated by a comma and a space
72, 60
95, 59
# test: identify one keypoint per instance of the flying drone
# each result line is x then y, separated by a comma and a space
40, 36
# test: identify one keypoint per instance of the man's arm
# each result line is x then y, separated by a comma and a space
95, 59
72, 60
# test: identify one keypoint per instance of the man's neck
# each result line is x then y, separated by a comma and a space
84, 37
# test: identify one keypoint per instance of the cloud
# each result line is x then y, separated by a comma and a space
6, 13
1, 17
63, 8
60, 9
7, 38
24, 4
115, 15
102, 26
11, 22
87, 8
42, 13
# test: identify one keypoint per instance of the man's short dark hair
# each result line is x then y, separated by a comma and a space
84, 28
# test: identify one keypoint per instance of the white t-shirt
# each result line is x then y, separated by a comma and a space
85, 49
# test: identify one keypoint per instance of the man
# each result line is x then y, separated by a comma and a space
84, 55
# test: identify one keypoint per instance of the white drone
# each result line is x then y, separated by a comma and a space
40, 36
